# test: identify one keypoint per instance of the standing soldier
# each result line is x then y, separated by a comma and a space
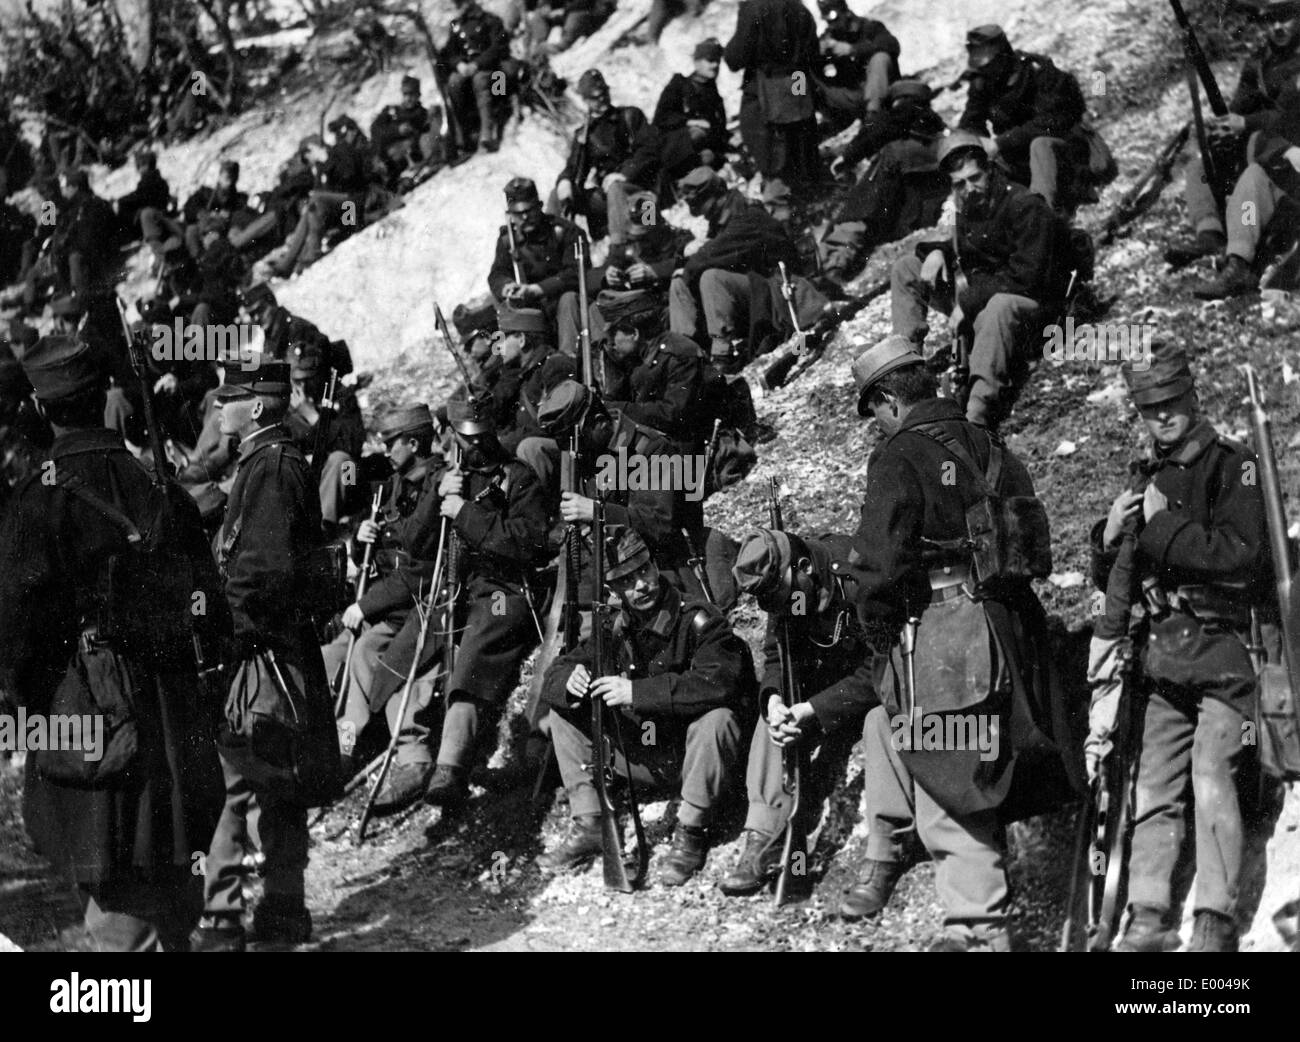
122, 828
679, 676
806, 581
1203, 563
961, 646
498, 516
272, 523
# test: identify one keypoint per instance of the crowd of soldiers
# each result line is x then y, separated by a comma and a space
241, 688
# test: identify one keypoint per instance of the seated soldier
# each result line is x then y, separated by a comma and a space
150, 192
691, 118
529, 367
497, 511
391, 592
901, 190
576, 18
737, 264
401, 134
1013, 252
633, 283
277, 212
859, 61
330, 434
833, 665
614, 155
281, 328
471, 62
675, 666
1034, 110
543, 249
656, 382
1273, 178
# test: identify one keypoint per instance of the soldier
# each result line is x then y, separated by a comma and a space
859, 61
807, 581
914, 573
530, 366
1202, 564
475, 50
150, 192
497, 509
676, 672
1252, 114
123, 829
272, 523
1033, 108
282, 330
332, 437
738, 261
1012, 250
84, 258
399, 583
775, 45
401, 133
615, 155
657, 382
544, 249
691, 118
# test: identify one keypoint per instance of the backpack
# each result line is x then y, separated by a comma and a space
1008, 538
730, 427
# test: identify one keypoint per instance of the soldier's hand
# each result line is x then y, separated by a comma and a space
1126, 504
1153, 501
614, 691
511, 291
564, 190
1292, 156
579, 681
451, 506
956, 318
934, 267
698, 124
610, 180
353, 617
452, 484
466, 69
1229, 123
640, 272
990, 146
531, 292
367, 531
166, 384
574, 507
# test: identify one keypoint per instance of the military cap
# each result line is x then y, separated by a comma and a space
625, 552
521, 320
562, 407
470, 417
1165, 375
60, 366
257, 295
410, 85
956, 143
917, 89
984, 43
231, 167
592, 85
521, 191
268, 376
413, 419
878, 361
341, 123
699, 181
710, 50
762, 565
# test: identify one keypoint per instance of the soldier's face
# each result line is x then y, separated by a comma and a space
706, 68
886, 412
239, 415
596, 104
400, 453
410, 98
1169, 421
509, 346
1282, 35
970, 186
525, 219
625, 345
640, 590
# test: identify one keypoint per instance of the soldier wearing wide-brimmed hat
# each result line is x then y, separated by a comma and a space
1199, 559
89, 520
675, 670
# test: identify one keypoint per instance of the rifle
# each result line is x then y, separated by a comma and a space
344, 678
451, 125
787, 362
461, 363
794, 757
1146, 189
1199, 67
577, 204
1280, 752
135, 350
696, 561
589, 375
602, 749
326, 404
514, 251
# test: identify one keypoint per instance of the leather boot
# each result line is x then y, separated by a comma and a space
282, 920
404, 785
1236, 280
1146, 931
869, 895
449, 786
580, 846
760, 858
686, 857
983, 937
1213, 932
1206, 244
217, 934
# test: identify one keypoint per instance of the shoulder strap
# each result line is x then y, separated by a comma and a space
986, 481
75, 486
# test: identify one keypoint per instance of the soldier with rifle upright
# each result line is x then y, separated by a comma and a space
1202, 565
533, 264
807, 583
680, 682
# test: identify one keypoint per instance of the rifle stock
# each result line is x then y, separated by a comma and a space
135, 348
